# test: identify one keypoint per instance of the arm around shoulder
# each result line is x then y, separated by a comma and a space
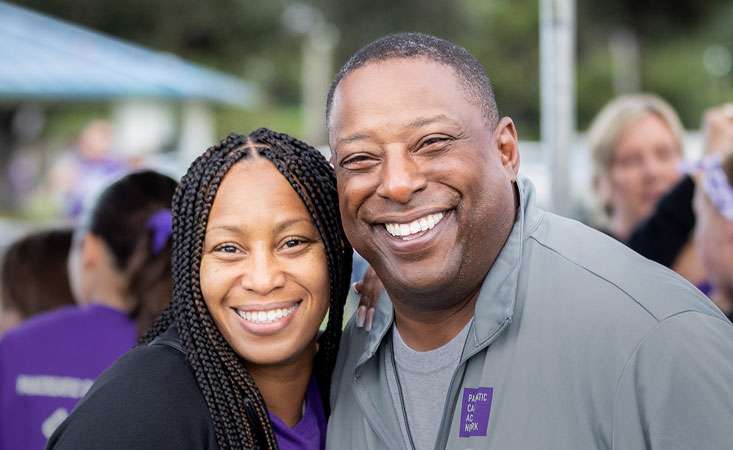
676, 391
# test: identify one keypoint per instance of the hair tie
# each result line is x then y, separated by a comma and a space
161, 224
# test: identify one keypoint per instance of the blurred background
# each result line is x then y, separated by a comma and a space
91, 87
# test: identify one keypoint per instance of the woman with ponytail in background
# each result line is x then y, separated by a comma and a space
237, 361
119, 267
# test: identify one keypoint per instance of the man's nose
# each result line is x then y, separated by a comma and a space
401, 177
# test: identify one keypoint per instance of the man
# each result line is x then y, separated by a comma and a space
507, 327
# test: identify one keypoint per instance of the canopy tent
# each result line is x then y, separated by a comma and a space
42, 58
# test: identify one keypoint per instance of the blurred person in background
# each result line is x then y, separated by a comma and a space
636, 144
713, 206
637, 151
119, 267
34, 276
91, 163
666, 235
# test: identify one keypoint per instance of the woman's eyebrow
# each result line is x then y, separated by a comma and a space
278, 228
289, 223
229, 228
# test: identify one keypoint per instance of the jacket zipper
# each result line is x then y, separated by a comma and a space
444, 433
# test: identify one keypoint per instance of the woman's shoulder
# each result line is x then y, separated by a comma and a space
148, 399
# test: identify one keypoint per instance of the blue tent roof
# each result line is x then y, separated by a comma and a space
45, 58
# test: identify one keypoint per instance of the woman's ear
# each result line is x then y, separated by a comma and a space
602, 189
93, 252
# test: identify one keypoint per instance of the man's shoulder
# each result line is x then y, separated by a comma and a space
595, 267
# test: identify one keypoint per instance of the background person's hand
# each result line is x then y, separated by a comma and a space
368, 290
717, 127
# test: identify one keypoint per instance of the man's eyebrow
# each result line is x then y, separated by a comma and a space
422, 121
352, 138
416, 123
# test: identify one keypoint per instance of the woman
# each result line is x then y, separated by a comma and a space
636, 148
236, 362
713, 205
120, 276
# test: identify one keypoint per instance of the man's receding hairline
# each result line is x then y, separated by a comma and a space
466, 84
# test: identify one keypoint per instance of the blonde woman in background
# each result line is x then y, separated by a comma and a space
636, 148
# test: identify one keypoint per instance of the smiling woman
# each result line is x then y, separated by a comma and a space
236, 362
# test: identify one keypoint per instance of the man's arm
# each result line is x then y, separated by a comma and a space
676, 391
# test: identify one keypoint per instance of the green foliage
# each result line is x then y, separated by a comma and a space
248, 39
283, 119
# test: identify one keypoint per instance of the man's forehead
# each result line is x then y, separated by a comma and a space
404, 91
375, 73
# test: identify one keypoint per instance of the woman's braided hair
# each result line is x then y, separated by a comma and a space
238, 412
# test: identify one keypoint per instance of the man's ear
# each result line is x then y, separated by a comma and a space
507, 143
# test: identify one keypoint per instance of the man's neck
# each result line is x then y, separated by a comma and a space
283, 387
427, 330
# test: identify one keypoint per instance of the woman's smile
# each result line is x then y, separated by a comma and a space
266, 319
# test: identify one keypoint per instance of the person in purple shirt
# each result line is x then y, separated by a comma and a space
237, 362
119, 267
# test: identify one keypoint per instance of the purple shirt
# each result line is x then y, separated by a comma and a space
310, 432
49, 362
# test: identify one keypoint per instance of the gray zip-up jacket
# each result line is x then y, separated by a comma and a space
577, 343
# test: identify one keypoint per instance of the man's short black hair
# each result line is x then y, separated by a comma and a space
469, 71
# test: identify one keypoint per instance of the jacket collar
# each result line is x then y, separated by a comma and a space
497, 297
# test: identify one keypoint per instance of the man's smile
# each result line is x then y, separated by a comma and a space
410, 230
410, 236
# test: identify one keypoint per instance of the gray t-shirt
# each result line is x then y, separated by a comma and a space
425, 379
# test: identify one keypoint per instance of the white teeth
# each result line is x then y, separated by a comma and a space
416, 226
269, 316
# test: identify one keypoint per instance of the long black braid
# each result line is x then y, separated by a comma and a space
236, 407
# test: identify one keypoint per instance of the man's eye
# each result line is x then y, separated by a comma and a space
433, 140
356, 161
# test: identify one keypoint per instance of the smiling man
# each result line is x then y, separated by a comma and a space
505, 327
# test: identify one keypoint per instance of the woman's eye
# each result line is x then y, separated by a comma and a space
291, 243
226, 248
